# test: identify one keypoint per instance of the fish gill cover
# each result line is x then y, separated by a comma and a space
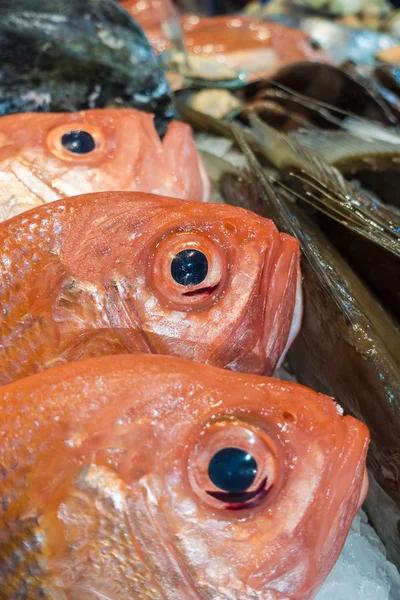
68, 55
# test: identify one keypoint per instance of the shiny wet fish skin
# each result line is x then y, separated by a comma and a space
91, 275
38, 166
69, 55
106, 489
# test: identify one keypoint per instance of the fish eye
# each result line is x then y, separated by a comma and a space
78, 142
233, 466
74, 142
232, 470
315, 44
189, 269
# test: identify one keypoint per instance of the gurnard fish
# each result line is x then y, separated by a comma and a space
241, 43
69, 55
114, 273
157, 478
44, 157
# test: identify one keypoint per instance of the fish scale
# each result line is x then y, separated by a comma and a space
20, 569
22, 333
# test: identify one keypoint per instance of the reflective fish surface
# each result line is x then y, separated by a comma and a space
44, 157
242, 43
157, 18
69, 55
116, 273
156, 478
255, 47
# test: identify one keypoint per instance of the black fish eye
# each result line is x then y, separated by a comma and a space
78, 142
315, 44
189, 267
232, 470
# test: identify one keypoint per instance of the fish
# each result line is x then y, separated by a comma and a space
45, 157
71, 55
160, 20
367, 232
240, 43
326, 95
246, 44
129, 272
157, 478
348, 346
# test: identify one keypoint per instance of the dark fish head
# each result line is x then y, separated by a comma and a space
67, 55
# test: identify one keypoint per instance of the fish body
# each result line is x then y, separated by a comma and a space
240, 43
40, 162
110, 273
113, 483
69, 55
256, 47
156, 18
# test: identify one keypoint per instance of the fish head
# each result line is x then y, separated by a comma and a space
44, 157
211, 283
158, 478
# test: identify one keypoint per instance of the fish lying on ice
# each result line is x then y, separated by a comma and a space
44, 157
114, 273
68, 55
157, 478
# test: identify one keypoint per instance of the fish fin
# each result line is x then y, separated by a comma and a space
323, 187
342, 147
371, 131
216, 166
210, 125
284, 217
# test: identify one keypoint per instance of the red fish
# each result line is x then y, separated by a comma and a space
256, 47
130, 272
44, 157
247, 44
156, 478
